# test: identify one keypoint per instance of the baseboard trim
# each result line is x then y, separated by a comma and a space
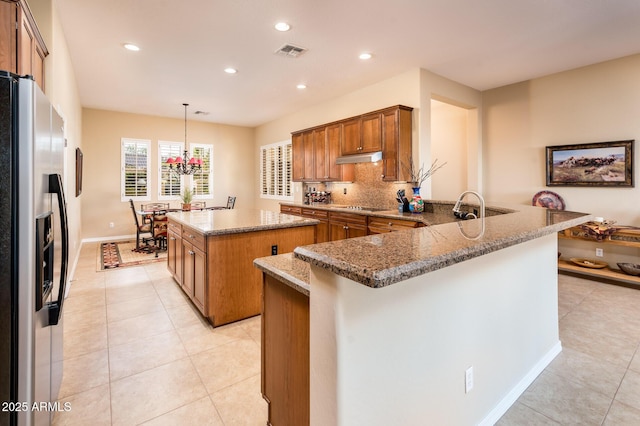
111, 238
513, 395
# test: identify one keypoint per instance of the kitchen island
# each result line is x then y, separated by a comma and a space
210, 255
446, 324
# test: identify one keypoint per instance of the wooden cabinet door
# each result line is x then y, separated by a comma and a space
8, 13
321, 168
302, 156
346, 225
396, 144
351, 137
353, 230
174, 245
307, 137
199, 262
344, 172
371, 138
285, 353
188, 268
31, 50
297, 157
337, 230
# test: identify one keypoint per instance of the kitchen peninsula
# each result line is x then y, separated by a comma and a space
210, 255
444, 324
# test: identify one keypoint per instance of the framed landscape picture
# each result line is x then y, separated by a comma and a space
591, 164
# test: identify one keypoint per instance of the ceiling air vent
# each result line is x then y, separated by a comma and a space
291, 51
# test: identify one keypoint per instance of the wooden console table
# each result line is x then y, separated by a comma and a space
622, 237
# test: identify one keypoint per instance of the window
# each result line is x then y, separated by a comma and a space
202, 180
275, 171
135, 164
170, 183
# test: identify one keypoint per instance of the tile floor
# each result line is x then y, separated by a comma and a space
136, 352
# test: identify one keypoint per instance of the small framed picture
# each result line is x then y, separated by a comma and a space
591, 164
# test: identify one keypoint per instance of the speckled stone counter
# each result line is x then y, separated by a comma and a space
287, 269
384, 259
233, 221
436, 212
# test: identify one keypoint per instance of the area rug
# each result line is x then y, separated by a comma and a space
120, 254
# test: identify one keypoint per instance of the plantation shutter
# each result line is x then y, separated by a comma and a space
170, 183
135, 169
203, 179
275, 170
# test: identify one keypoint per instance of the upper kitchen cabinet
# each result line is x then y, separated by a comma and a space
302, 158
396, 143
22, 49
314, 155
327, 141
362, 134
316, 150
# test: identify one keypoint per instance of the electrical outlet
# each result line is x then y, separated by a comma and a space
274, 250
344, 191
468, 380
599, 252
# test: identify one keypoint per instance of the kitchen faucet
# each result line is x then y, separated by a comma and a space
463, 215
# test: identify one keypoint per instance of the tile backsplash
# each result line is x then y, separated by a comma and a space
368, 189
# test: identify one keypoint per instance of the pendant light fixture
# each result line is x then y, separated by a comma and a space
184, 165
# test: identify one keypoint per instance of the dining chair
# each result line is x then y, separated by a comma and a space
231, 202
195, 205
159, 222
150, 207
141, 229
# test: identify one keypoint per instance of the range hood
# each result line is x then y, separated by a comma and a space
371, 157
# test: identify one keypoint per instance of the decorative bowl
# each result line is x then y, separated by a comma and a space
588, 263
630, 268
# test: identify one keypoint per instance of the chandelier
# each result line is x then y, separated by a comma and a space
184, 165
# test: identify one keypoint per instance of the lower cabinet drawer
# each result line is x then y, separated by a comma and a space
195, 238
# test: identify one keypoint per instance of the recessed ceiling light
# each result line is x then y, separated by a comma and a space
282, 26
131, 47
301, 86
365, 56
230, 70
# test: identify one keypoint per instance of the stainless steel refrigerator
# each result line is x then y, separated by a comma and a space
33, 252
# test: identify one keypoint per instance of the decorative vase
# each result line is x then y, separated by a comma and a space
416, 205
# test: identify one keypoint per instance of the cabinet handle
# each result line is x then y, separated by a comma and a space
346, 227
390, 223
382, 176
326, 177
172, 238
191, 252
193, 237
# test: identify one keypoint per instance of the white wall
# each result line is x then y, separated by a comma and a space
398, 355
61, 89
449, 129
597, 103
414, 88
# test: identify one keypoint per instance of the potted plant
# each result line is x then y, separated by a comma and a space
187, 197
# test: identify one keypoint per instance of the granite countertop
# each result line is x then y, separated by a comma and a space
287, 269
436, 211
234, 221
384, 259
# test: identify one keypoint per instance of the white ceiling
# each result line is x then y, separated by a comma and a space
185, 45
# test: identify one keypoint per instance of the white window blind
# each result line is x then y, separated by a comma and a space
170, 183
275, 171
202, 182
135, 165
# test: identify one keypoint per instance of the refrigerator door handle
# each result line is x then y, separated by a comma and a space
55, 187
